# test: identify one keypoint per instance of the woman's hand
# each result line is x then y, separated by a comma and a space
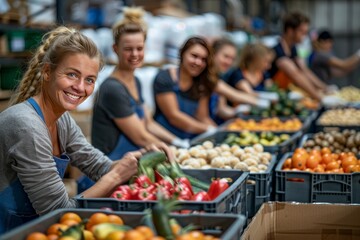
126, 167
160, 147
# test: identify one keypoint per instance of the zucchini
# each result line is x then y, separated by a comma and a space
152, 159
161, 221
162, 170
148, 171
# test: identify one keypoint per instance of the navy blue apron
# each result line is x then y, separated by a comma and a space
15, 205
187, 106
123, 145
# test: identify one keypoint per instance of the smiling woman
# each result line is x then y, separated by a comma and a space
39, 138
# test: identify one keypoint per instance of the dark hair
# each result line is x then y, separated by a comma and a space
294, 20
205, 83
222, 42
324, 35
252, 51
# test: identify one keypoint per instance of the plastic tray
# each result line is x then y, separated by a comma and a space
226, 227
232, 200
316, 187
260, 192
287, 146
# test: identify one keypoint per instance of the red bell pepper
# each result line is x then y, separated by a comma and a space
158, 176
217, 187
164, 192
201, 197
166, 184
185, 181
134, 191
145, 195
121, 195
125, 188
183, 192
143, 181
151, 189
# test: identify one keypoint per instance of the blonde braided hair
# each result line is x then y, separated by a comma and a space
132, 22
55, 45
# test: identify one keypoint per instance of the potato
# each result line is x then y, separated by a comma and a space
234, 148
242, 166
250, 162
226, 154
239, 152
225, 147
217, 162
253, 169
258, 148
208, 145
212, 153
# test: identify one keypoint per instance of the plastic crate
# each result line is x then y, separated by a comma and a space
226, 227
232, 200
328, 128
278, 150
260, 192
310, 187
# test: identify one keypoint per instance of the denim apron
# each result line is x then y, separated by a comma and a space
15, 205
123, 144
187, 106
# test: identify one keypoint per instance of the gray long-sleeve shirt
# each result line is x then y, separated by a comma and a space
26, 153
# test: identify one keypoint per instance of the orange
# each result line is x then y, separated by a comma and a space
301, 150
36, 236
332, 165
349, 160
95, 219
69, 222
287, 163
175, 228
315, 152
319, 169
327, 158
343, 155
70, 216
351, 169
52, 237
308, 170
115, 219
325, 150
312, 161
299, 160
134, 235
157, 238
116, 235
146, 231
186, 236
197, 235
335, 156
55, 228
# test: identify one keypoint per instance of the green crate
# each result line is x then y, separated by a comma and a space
23, 40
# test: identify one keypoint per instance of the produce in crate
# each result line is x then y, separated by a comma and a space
155, 225
168, 180
322, 161
349, 94
341, 117
344, 141
267, 124
247, 138
206, 155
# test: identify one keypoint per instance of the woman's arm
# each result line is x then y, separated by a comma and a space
234, 95
135, 130
224, 111
168, 104
156, 129
345, 65
202, 113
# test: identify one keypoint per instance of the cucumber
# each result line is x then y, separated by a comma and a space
162, 170
161, 221
176, 172
152, 159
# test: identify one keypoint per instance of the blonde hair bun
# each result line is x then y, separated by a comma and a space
134, 15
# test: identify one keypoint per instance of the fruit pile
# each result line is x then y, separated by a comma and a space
341, 117
283, 108
349, 94
247, 138
322, 161
107, 226
266, 124
206, 156
344, 141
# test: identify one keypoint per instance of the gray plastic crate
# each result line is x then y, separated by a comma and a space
232, 200
310, 187
260, 192
226, 227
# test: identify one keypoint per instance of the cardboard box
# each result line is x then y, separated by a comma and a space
300, 221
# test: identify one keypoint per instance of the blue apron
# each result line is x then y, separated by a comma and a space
15, 205
123, 145
187, 106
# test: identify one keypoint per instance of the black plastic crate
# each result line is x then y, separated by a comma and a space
310, 187
260, 192
226, 227
328, 128
232, 200
278, 150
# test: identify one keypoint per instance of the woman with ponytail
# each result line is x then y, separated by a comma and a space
39, 138
121, 121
